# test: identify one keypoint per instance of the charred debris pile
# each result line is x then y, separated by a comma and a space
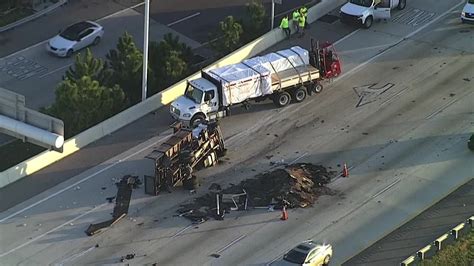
296, 186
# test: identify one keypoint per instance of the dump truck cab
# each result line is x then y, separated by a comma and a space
199, 99
364, 12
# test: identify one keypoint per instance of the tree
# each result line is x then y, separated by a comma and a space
185, 51
230, 32
88, 65
255, 22
84, 102
169, 62
126, 62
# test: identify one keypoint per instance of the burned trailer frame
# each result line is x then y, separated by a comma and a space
187, 150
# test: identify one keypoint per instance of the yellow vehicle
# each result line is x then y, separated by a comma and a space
308, 253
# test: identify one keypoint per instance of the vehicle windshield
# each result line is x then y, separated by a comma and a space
194, 94
366, 3
295, 257
70, 34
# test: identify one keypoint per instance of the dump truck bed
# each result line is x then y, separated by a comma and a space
293, 76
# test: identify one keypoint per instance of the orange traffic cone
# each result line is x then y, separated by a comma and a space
345, 171
284, 214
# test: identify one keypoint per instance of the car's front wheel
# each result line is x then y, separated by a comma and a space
69, 53
326, 260
96, 40
402, 4
368, 22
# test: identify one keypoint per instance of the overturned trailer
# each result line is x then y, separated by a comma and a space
187, 150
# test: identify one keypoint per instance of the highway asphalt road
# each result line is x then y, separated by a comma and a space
421, 231
400, 143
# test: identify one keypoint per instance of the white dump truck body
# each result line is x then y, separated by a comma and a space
253, 78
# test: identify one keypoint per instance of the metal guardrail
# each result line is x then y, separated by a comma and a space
444, 240
34, 16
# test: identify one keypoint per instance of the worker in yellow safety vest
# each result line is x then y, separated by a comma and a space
284, 25
301, 24
295, 18
304, 13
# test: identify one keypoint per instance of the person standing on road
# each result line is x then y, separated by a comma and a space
295, 18
304, 13
284, 25
301, 23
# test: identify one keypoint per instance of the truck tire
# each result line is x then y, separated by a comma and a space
402, 4
299, 94
316, 87
368, 22
197, 118
282, 99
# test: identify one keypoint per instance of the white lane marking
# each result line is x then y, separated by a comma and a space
230, 244
345, 37
45, 41
183, 19
442, 108
75, 256
52, 230
386, 188
297, 159
182, 230
82, 180
391, 98
54, 71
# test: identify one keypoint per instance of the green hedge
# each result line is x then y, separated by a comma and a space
459, 253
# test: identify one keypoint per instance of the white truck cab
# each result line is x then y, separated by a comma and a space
363, 12
199, 99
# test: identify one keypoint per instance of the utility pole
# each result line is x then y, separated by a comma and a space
273, 14
145, 49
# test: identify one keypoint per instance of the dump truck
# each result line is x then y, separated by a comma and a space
187, 150
282, 76
364, 12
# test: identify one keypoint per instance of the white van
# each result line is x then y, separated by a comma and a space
363, 12
467, 14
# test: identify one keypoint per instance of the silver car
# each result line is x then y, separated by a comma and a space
74, 38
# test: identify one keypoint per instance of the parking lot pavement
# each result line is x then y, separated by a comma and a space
42, 28
35, 74
421, 230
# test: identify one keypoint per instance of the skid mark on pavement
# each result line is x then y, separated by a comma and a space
21, 68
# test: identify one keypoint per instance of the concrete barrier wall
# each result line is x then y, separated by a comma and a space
137, 111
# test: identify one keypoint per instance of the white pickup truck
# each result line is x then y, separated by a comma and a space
364, 12
282, 76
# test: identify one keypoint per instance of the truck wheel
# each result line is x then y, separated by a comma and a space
282, 99
316, 87
197, 119
402, 4
299, 94
368, 22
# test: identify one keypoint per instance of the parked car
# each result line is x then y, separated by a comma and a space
308, 253
467, 14
74, 38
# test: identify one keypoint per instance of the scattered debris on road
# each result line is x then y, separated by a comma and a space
296, 185
122, 203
